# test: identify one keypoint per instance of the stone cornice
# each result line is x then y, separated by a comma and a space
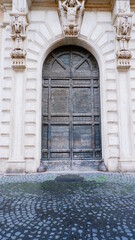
98, 4
90, 4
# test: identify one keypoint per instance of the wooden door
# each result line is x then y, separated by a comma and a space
71, 128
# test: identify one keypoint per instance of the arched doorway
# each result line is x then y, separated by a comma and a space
71, 123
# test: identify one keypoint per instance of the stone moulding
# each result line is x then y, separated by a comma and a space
123, 59
19, 22
18, 55
123, 25
71, 13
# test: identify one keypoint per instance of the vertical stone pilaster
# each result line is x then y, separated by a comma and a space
124, 114
19, 22
126, 160
122, 20
16, 160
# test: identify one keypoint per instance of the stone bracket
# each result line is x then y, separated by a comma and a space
123, 63
71, 13
123, 25
19, 23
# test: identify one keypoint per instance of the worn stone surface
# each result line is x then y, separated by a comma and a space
20, 127
102, 206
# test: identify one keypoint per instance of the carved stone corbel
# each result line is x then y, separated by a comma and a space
19, 22
19, 59
71, 12
123, 26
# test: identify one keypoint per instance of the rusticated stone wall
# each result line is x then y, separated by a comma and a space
21, 91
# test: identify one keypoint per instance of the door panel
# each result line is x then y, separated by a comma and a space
59, 137
82, 137
60, 100
81, 100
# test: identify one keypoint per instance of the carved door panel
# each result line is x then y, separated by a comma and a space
71, 106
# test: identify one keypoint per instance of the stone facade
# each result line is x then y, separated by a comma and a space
28, 33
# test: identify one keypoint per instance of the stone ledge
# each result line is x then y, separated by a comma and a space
127, 159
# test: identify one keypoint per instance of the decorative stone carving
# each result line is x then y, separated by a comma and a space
18, 55
71, 12
18, 28
18, 33
19, 6
123, 34
123, 6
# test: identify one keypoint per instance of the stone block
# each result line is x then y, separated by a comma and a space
15, 166
88, 17
31, 94
108, 48
133, 94
5, 116
5, 141
30, 116
133, 83
96, 33
110, 66
31, 75
113, 140
30, 129
29, 140
32, 65
113, 165
7, 83
32, 56
112, 128
6, 104
33, 47
112, 106
111, 95
114, 152
6, 93
110, 57
3, 165
104, 18
31, 105
133, 105
5, 128
44, 31
111, 85
127, 166
31, 83
54, 23
103, 40
39, 40
32, 165
134, 117
37, 16
111, 75
4, 152
29, 152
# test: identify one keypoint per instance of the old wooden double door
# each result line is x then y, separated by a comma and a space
71, 128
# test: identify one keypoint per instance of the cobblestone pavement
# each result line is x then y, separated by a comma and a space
100, 206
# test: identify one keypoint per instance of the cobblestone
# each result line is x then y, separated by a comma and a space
100, 206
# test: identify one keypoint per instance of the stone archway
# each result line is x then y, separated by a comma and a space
71, 122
